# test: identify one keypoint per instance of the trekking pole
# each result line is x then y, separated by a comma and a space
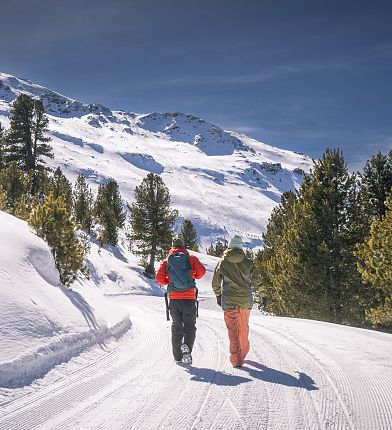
167, 307
197, 303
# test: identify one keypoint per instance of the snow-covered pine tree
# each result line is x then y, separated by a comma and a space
109, 213
151, 220
52, 221
83, 204
375, 266
188, 234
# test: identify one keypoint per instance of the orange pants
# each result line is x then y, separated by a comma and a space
237, 323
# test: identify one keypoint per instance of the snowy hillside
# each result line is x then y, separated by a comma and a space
225, 182
42, 322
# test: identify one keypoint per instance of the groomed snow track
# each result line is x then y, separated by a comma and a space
299, 375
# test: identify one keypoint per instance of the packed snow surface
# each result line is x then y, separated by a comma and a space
299, 375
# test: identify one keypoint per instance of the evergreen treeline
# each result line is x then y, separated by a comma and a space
218, 248
319, 255
327, 252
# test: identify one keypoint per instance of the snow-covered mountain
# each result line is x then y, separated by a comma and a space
225, 182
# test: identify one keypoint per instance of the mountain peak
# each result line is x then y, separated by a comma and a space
224, 182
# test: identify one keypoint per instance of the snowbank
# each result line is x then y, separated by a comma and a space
42, 322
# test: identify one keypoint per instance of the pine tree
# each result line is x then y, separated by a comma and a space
288, 270
109, 213
26, 143
83, 203
332, 196
24, 207
59, 185
220, 247
151, 220
54, 224
307, 266
43, 183
3, 200
376, 184
210, 250
375, 266
14, 183
2, 147
188, 234
217, 249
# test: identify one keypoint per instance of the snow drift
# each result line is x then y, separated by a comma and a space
42, 322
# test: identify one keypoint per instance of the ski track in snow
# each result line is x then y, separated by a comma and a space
299, 375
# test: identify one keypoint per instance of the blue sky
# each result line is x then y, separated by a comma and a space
300, 75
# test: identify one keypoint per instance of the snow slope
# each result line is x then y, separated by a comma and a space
42, 322
299, 375
225, 182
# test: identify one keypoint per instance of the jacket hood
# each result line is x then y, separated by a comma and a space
234, 255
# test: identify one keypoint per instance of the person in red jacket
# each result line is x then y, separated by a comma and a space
183, 267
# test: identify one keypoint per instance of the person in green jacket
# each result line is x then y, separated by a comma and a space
232, 287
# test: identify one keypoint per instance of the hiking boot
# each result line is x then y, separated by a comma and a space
186, 354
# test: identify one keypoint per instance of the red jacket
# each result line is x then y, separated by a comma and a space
198, 271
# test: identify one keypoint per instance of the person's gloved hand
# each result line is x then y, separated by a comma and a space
219, 300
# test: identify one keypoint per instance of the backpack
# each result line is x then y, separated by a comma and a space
179, 269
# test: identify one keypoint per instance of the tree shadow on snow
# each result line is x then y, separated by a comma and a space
215, 377
264, 373
82, 305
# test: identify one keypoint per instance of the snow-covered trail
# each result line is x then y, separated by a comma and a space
299, 375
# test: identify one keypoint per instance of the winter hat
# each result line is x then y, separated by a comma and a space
235, 242
178, 243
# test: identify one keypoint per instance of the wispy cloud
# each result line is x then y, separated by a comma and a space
241, 79
381, 51
266, 74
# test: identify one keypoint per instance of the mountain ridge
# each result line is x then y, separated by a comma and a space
224, 181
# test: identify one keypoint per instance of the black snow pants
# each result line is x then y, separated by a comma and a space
183, 314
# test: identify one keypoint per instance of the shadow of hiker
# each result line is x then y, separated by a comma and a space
82, 305
215, 377
267, 374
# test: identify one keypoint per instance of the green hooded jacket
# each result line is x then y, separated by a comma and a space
232, 280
